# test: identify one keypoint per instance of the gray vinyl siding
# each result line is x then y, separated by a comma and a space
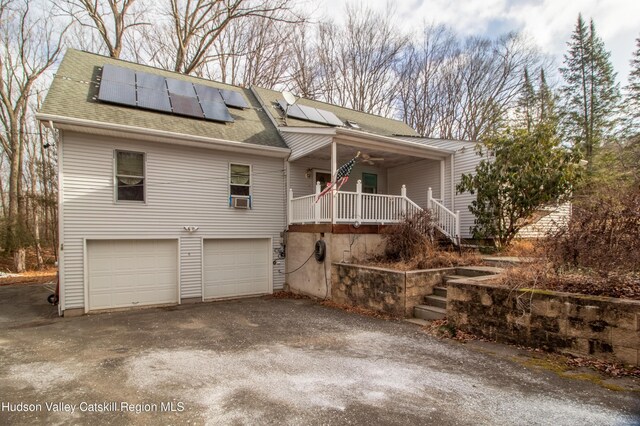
466, 161
184, 187
302, 144
302, 185
418, 177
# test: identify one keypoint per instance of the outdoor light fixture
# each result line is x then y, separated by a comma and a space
191, 228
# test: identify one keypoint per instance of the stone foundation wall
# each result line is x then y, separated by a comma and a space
385, 290
583, 325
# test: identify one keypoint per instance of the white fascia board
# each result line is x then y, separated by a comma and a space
370, 140
320, 131
154, 135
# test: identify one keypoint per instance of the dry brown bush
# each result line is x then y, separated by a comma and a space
603, 234
412, 245
410, 238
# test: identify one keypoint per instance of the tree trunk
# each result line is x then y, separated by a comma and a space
19, 260
36, 237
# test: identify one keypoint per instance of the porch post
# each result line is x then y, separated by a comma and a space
316, 205
458, 226
442, 166
289, 206
334, 170
429, 197
403, 203
359, 201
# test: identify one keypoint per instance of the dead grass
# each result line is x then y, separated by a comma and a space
543, 276
48, 255
31, 277
358, 310
286, 295
442, 329
523, 248
431, 258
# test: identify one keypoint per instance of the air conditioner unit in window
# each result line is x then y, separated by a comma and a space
241, 202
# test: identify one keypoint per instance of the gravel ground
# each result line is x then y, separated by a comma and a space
270, 361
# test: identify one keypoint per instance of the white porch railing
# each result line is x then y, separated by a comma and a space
358, 207
446, 221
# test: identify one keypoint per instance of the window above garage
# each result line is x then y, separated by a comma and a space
239, 180
130, 179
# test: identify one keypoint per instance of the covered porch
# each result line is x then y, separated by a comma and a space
401, 179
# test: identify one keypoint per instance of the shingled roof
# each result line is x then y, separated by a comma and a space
74, 92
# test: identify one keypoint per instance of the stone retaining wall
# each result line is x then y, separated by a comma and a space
385, 290
584, 325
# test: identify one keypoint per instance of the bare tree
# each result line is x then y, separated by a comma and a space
358, 60
304, 63
184, 42
109, 20
421, 84
254, 51
29, 46
457, 90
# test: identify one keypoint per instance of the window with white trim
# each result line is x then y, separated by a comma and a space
130, 181
239, 180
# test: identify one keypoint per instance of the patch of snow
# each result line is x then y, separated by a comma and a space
366, 372
42, 376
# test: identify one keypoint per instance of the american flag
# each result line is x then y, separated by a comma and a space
342, 176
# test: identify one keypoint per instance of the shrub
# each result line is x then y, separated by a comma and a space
603, 233
410, 238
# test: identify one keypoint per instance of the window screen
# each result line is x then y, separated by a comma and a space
130, 176
240, 180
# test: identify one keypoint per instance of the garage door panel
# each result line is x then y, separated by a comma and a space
125, 273
236, 267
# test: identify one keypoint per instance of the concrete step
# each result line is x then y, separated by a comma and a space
440, 291
429, 312
448, 278
478, 271
437, 301
506, 261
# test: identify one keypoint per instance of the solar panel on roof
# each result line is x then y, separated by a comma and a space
216, 111
206, 93
150, 81
234, 99
293, 111
117, 93
157, 100
118, 74
312, 114
331, 118
185, 105
182, 88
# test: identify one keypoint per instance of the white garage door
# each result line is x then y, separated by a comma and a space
238, 267
124, 273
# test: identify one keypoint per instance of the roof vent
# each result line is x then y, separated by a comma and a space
353, 124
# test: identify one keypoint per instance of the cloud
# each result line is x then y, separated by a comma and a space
548, 22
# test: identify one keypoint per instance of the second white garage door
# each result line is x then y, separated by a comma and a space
236, 267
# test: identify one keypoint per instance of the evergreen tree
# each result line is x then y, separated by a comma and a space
547, 102
632, 95
590, 93
526, 108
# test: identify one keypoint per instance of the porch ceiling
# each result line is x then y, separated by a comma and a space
347, 152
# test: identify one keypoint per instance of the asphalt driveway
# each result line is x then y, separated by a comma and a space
269, 361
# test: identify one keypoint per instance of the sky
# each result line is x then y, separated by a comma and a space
549, 23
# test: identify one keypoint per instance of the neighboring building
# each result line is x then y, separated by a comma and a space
175, 189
